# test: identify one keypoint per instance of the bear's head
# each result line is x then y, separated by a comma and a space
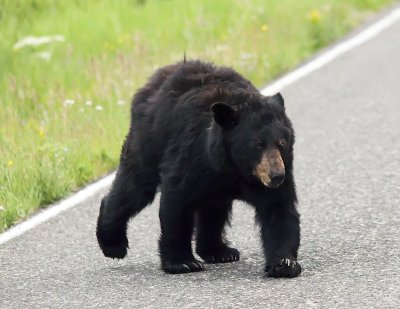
252, 135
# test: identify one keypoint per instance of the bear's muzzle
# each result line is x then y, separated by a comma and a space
271, 169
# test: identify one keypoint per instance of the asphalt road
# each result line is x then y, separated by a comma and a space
347, 120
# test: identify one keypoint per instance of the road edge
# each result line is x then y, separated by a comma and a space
57, 208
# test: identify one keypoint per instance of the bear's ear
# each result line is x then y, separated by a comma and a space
278, 99
224, 114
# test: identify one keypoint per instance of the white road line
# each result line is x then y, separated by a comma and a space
57, 208
333, 53
276, 86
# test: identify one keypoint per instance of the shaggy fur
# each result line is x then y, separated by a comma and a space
205, 136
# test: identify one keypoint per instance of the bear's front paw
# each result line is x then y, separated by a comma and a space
181, 266
220, 255
284, 268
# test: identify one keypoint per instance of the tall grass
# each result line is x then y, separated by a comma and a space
64, 106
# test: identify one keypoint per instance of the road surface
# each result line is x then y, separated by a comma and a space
347, 167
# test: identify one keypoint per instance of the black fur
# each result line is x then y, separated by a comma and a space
198, 132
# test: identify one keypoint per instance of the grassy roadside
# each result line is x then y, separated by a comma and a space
64, 104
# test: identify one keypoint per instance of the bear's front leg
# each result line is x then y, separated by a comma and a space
280, 231
177, 220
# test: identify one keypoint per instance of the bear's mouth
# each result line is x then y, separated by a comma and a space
262, 174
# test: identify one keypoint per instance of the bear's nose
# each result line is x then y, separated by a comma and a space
277, 179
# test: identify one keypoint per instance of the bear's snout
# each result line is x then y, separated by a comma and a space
277, 179
271, 169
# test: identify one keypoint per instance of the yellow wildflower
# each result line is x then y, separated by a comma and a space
264, 28
314, 16
124, 38
10, 163
41, 132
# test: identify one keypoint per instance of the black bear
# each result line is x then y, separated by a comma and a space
205, 136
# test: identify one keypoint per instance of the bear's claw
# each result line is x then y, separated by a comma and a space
115, 251
284, 268
181, 267
222, 255
113, 248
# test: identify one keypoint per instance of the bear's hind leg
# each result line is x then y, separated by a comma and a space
175, 247
128, 196
211, 244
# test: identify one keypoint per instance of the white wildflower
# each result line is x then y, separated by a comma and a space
99, 108
38, 40
88, 103
2, 208
69, 102
246, 56
221, 47
121, 102
82, 110
45, 55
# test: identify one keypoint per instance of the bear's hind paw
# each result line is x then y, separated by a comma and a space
115, 252
222, 255
116, 249
181, 267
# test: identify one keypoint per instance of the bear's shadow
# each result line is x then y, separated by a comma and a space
243, 269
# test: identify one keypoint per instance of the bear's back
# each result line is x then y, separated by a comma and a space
184, 90
174, 107
198, 76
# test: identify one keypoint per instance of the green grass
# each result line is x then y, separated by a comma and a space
49, 148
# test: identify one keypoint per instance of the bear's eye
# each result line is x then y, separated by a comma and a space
282, 144
259, 146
